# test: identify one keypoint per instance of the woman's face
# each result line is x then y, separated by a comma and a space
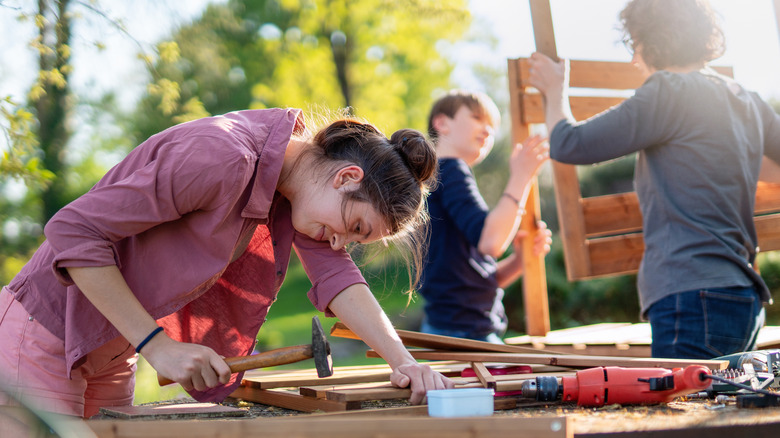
322, 215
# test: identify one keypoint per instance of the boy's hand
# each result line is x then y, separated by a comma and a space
528, 157
542, 240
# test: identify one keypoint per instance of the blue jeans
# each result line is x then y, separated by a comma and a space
493, 338
706, 323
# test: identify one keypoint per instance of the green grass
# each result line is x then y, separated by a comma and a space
289, 323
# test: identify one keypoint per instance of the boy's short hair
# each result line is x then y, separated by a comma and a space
449, 104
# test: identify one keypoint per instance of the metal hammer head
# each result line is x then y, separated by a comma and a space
320, 349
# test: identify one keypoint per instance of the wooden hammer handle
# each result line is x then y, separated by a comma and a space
279, 356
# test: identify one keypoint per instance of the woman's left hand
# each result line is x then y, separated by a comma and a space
419, 378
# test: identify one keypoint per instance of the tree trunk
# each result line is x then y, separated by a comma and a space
53, 107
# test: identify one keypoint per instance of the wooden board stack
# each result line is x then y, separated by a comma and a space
351, 387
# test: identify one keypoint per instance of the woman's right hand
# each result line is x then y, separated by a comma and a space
546, 75
192, 366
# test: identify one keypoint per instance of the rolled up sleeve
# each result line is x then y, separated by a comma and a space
329, 271
143, 191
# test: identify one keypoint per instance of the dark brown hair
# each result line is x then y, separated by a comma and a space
398, 175
449, 104
673, 33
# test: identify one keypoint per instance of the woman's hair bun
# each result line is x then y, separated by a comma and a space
416, 151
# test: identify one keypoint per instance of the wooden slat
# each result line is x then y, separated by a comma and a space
767, 198
544, 34
619, 213
611, 214
768, 231
571, 221
534, 280
535, 301
181, 410
607, 75
363, 426
615, 255
574, 361
341, 375
582, 107
425, 340
537, 313
622, 254
486, 379
621, 350
290, 400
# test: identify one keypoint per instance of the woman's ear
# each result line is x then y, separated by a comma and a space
347, 176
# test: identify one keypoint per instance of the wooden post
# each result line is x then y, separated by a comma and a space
537, 313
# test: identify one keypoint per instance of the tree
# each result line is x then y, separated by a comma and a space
378, 57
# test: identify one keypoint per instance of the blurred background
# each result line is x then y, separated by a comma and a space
83, 82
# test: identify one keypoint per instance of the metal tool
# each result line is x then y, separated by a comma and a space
319, 349
757, 369
627, 386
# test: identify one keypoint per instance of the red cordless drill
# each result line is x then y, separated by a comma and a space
628, 386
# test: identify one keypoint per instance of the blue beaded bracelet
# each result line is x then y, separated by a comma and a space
148, 338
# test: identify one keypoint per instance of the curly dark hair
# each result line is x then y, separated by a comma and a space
673, 33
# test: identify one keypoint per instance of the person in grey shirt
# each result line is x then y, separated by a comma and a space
700, 139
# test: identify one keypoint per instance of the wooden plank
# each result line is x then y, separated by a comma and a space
341, 375
619, 213
620, 350
608, 215
181, 410
768, 231
291, 400
505, 382
607, 75
622, 254
615, 255
537, 313
574, 361
767, 198
425, 340
768, 337
404, 411
544, 35
535, 302
571, 220
626, 339
388, 392
582, 107
593, 333
483, 374
364, 426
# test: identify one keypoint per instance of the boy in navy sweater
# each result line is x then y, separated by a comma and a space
463, 276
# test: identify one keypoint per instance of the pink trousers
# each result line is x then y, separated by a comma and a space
33, 369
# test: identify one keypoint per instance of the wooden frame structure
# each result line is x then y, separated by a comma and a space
602, 235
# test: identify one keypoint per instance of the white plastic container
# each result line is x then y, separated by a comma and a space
463, 402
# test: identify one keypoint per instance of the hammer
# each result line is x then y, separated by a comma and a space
319, 349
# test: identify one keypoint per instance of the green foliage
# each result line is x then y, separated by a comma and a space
378, 57
21, 158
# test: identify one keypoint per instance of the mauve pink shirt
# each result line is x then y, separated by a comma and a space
170, 216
